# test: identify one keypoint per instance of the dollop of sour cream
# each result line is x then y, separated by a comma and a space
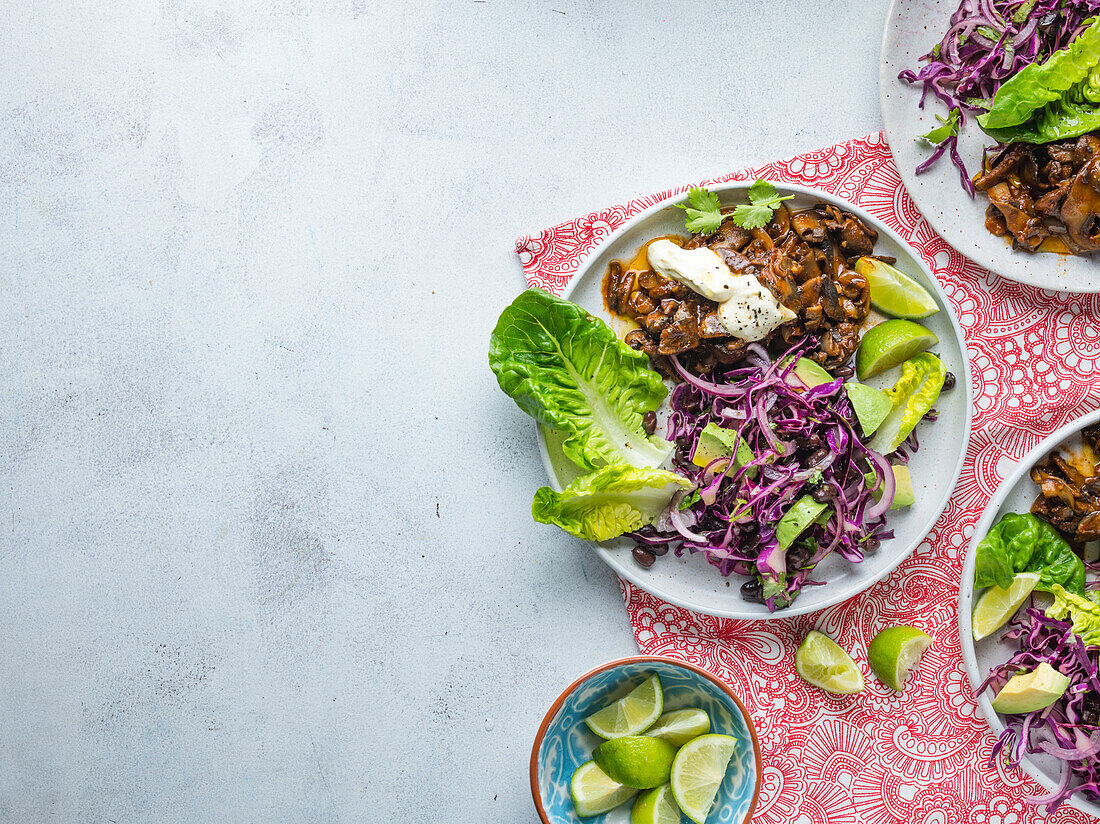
746, 307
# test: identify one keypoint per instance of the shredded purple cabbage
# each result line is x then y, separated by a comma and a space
1068, 730
986, 43
804, 440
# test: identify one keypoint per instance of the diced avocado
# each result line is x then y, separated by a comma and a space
717, 442
801, 514
811, 373
871, 405
1031, 691
903, 487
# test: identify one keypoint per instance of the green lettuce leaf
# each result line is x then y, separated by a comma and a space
1053, 100
608, 502
919, 386
1025, 543
569, 371
1084, 614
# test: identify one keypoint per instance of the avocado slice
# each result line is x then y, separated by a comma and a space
1028, 692
811, 373
802, 513
717, 442
871, 405
903, 487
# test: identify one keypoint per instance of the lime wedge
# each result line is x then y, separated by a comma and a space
893, 292
594, 793
1031, 691
698, 771
656, 806
631, 714
890, 343
822, 663
997, 604
680, 726
635, 760
895, 651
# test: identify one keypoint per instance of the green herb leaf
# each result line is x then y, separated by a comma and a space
704, 215
764, 200
936, 51
1021, 14
949, 127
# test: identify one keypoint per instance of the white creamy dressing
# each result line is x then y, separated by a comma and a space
745, 306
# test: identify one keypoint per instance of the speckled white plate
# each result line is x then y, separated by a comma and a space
912, 28
690, 581
1015, 494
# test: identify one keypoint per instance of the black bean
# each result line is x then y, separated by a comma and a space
843, 372
649, 422
658, 550
809, 441
644, 557
871, 544
823, 494
753, 591
818, 456
948, 382
797, 556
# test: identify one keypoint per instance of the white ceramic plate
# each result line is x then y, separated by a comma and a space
1015, 494
690, 581
912, 28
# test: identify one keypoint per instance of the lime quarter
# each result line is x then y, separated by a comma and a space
893, 292
680, 726
656, 806
894, 652
997, 605
594, 793
819, 661
635, 760
889, 344
632, 714
698, 771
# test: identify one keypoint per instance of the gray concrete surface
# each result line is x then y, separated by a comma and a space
265, 551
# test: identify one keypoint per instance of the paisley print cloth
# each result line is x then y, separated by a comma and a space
877, 757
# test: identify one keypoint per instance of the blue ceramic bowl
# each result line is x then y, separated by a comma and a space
564, 742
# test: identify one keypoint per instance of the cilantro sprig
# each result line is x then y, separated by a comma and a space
704, 215
949, 127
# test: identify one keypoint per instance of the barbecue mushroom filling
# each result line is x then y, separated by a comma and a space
1044, 197
805, 259
1069, 493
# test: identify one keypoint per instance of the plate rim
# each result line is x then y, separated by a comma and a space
635, 576
1018, 274
966, 591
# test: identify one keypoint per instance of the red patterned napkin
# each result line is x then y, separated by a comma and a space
877, 758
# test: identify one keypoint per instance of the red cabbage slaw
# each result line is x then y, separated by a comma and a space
1069, 729
986, 43
803, 441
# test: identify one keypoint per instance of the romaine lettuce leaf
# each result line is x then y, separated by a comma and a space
569, 371
608, 502
917, 389
1025, 543
1083, 613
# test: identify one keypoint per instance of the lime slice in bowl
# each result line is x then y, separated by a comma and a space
997, 605
632, 714
891, 343
594, 793
698, 771
656, 806
635, 760
893, 292
819, 661
894, 652
680, 726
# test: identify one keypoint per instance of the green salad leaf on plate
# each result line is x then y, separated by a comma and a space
1082, 612
1025, 543
608, 502
1053, 100
913, 395
569, 371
